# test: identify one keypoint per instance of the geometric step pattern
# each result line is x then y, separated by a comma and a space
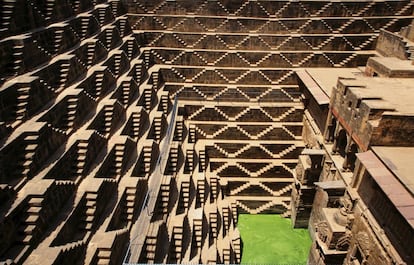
271, 59
237, 93
266, 76
88, 145
242, 132
273, 9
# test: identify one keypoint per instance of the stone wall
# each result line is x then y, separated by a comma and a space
156, 122
387, 216
392, 45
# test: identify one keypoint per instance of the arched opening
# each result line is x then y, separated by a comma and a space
341, 143
350, 159
330, 134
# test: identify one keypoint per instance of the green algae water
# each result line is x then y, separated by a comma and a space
270, 239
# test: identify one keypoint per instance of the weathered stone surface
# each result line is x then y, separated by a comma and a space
140, 129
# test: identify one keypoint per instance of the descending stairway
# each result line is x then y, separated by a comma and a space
87, 222
177, 238
22, 102
71, 113
107, 119
27, 228
130, 203
228, 66
30, 149
81, 158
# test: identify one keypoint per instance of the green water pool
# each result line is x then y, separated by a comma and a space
270, 239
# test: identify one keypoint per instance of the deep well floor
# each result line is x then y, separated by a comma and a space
270, 239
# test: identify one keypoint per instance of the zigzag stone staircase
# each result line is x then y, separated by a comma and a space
136, 131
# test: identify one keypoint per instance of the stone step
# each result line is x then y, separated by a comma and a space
28, 230
31, 219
